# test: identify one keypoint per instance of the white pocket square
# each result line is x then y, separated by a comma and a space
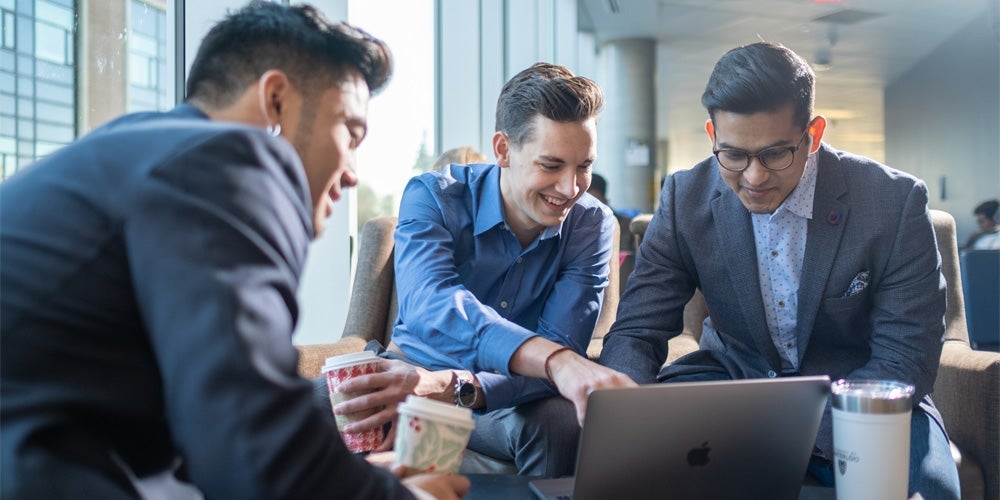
859, 283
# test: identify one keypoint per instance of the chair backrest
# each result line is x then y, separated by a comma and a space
954, 317
981, 286
374, 307
696, 310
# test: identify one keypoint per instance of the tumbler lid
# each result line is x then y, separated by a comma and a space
872, 396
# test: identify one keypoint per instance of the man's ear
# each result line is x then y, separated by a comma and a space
501, 149
816, 128
273, 87
710, 129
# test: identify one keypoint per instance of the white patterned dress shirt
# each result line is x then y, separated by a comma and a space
780, 238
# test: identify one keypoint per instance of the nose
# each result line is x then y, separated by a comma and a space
567, 185
349, 179
755, 173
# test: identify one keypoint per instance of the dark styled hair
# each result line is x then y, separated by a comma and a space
988, 209
761, 77
548, 90
299, 41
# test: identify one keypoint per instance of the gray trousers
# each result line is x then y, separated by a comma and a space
540, 437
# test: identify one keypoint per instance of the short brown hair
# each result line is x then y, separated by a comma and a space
548, 90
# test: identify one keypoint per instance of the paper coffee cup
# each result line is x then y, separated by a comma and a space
339, 369
871, 438
432, 436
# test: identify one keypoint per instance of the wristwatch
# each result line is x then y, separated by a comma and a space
465, 391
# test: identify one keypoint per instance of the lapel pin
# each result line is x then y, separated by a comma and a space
833, 217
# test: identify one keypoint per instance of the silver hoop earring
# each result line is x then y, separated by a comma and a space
274, 130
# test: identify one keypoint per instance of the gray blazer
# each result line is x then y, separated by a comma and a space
867, 218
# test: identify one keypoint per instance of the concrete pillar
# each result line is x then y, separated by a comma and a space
626, 132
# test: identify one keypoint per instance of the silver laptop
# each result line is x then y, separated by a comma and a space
729, 439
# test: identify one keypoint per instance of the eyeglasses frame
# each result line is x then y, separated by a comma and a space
749, 155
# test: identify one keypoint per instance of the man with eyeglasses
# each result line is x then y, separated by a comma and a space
811, 260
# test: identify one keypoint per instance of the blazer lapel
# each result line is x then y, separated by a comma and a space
734, 231
825, 230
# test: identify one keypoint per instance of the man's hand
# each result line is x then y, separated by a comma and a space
389, 387
576, 377
386, 389
440, 486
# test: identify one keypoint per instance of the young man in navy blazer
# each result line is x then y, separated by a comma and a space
149, 274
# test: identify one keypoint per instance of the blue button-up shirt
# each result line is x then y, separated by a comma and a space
469, 295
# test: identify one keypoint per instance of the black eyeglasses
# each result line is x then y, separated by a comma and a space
774, 159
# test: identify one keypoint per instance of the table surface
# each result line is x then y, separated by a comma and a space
504, 487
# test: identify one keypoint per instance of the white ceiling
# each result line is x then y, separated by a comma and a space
865, 55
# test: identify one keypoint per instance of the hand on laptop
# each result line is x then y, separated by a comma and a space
576, 377
573, 375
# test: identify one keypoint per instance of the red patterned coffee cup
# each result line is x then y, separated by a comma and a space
339, 369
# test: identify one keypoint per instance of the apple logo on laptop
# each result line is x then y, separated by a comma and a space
699, 456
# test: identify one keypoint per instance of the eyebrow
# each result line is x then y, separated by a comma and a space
554, 159
783, 142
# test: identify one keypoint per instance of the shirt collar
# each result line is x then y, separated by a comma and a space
800, 202
491, 209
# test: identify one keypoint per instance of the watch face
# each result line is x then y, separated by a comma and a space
467, 394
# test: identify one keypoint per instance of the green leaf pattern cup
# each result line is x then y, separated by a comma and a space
432, 436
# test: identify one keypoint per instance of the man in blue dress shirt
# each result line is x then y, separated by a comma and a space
500, 272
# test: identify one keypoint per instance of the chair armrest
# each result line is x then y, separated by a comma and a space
312, 356
967, 393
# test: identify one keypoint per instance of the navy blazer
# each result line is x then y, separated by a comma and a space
149, 274
866, 218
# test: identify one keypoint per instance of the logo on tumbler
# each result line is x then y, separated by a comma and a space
843, 457
699, 456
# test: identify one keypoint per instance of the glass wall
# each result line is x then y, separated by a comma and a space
148, 69
400, 141
63, 70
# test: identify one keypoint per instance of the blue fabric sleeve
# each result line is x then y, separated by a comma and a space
426, 281
454, 321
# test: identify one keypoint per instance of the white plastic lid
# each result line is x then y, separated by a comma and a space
436, 410
351, 359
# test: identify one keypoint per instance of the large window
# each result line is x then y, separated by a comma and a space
400, 140
147, 58
67, 66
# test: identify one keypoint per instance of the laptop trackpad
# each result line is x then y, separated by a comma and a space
553, 489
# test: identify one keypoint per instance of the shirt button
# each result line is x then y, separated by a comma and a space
774, 253
503, 304
788, 345
771, 374
519, 260
781, 303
